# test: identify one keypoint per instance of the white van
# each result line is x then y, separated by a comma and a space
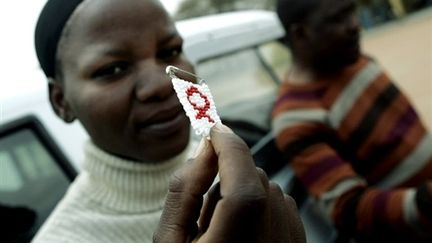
239, 56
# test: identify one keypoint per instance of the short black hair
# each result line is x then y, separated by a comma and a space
294, 11
49, 28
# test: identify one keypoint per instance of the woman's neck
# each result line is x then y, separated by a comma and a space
124, 185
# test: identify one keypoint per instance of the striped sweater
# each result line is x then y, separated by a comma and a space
360, 149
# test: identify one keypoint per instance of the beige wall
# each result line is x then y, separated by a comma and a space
404, 48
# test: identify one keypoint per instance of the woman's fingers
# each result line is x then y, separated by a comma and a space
212, 198
239, 213
295, 229
184, 199
237, 169
285, 223
243, 207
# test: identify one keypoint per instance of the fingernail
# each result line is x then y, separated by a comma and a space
219, 127
200, 147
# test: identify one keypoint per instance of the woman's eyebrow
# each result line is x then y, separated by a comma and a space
100, 52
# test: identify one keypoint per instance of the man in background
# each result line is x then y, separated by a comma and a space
351, 136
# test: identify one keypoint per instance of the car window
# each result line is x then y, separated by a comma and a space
277, 56
242, 87
31, 183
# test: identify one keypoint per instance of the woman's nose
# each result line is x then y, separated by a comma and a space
152, 84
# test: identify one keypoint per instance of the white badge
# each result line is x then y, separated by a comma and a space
197, 101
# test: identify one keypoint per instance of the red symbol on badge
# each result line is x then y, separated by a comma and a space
201, 105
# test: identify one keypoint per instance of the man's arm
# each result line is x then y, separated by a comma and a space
356, 208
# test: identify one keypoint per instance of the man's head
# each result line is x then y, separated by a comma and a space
107, 65
322, 34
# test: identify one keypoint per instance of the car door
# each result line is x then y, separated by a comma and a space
34, 176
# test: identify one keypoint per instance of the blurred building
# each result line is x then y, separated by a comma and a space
374, 12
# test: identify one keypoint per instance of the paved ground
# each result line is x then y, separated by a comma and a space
404, 48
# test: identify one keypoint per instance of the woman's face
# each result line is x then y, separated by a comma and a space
113, 61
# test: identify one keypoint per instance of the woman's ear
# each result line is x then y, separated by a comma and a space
59, 103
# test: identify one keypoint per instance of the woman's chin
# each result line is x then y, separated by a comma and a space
166, 150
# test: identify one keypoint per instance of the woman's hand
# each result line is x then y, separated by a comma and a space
243, 207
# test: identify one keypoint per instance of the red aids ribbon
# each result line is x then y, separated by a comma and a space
202, 110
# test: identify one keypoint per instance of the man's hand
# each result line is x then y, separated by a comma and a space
243, 207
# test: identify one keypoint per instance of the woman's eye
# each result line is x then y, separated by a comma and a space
111, 71
170, 53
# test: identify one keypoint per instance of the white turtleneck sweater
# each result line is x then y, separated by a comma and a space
111, 200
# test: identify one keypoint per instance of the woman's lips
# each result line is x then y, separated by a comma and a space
163, 127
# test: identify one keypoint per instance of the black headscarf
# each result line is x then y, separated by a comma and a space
49, 28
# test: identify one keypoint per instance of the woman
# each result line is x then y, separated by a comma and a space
105, 60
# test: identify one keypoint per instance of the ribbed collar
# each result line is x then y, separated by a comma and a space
126, 186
